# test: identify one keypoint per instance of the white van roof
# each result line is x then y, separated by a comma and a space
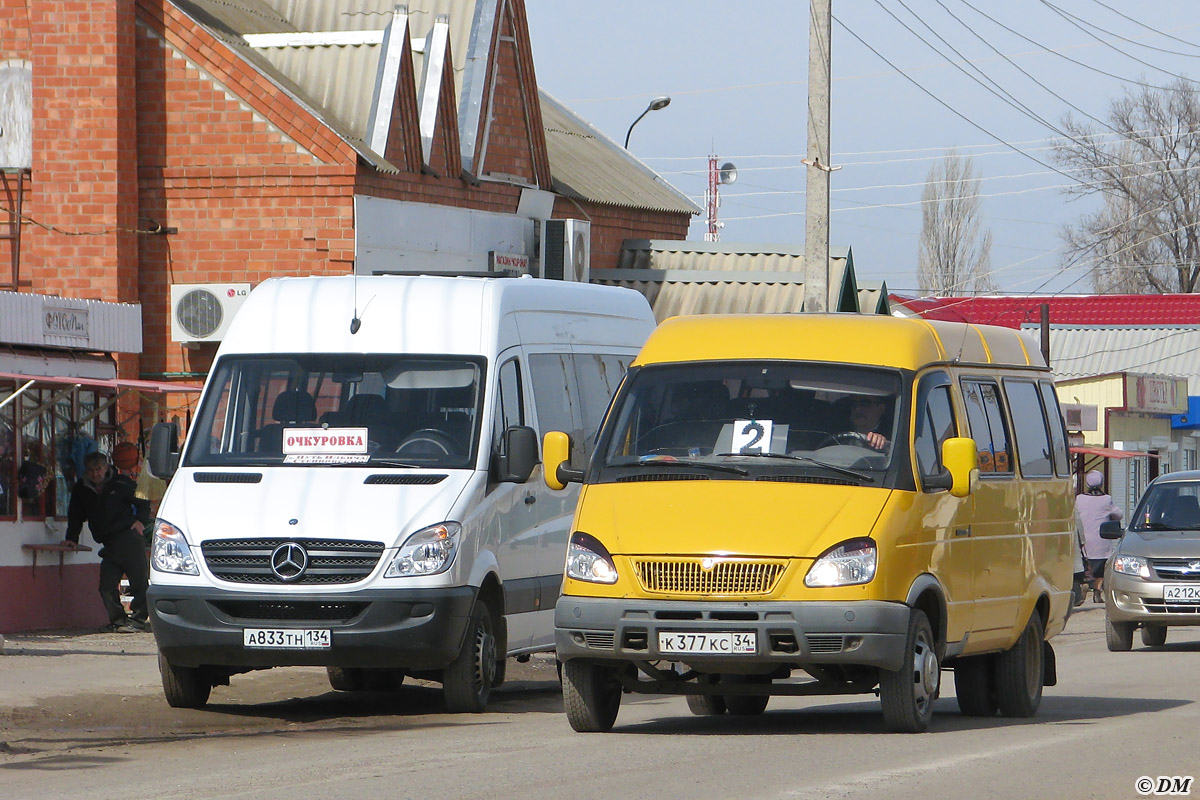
426, 314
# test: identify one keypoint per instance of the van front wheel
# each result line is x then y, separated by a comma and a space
184, 687
1019, 672
467, 682
908, 693
591, 696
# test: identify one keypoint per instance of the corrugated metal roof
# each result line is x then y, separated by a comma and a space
43, 320
1014, 311
336, 82
1087, 351
586, 164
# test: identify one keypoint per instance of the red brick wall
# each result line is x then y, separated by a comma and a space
14, 29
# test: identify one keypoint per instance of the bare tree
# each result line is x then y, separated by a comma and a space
955, 253
1145, 166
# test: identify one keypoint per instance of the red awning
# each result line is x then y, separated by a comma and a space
1108, 452
119, 384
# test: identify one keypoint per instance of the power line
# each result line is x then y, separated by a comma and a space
1064, 13
1144, 25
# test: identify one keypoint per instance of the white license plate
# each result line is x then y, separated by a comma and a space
707, 643
1181, 593
286, 638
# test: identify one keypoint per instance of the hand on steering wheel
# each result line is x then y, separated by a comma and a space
871, 439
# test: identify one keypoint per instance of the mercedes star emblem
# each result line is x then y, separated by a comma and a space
289, 561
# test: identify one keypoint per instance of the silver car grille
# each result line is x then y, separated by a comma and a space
330, 561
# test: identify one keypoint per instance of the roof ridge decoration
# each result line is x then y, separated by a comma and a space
394, 101
438, 110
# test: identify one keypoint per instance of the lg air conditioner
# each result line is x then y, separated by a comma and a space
201, 312
566, 249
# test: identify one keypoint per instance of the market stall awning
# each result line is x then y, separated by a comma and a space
117, 384
1108, 452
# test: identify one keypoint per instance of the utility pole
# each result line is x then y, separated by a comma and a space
816, 227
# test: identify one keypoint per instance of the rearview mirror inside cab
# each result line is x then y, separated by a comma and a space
1111, 529
556, 454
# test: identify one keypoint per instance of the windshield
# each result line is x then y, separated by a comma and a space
1169, 506
345, 409
758, 415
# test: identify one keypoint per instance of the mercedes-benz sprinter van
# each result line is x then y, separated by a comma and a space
360, 489
819, 504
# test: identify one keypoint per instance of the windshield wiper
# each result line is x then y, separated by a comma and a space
375, 462
806, 460
671, 461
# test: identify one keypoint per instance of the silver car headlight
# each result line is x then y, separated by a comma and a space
849, 563
1131, 565
169, 551
427, 552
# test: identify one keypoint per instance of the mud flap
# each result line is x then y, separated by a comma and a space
1049, 666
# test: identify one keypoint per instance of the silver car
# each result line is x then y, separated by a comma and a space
1152, 579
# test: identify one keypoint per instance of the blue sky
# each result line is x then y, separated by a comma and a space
737, 74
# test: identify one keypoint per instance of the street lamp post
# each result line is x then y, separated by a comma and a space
655, 105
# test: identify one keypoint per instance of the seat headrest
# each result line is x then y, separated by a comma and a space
366, 409
294, 405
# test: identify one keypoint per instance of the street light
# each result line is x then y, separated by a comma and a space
655, 104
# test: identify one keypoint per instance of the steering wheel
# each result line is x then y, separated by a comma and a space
852, 437
427, 442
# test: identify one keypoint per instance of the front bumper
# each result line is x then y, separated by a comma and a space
1129, 598
413, 629
871, 633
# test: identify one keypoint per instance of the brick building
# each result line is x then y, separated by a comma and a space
147, 144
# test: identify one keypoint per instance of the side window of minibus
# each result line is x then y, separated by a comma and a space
556, 399
510, 402
985, 416
935, 422
1058, 429
1029, 425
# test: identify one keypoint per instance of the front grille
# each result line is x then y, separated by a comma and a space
330, 561
290, 611
725, 577
1157, 606
823, 643
600, 640
405, 480
227, 477
1176, 569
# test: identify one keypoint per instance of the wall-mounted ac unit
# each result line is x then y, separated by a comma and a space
1080, 417
566, 249
201, 312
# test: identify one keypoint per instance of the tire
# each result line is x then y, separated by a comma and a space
706, 705
1020, 672
1118, 635
467, 681
184, 687
591, 696
1154, 635
748, 705
907, 694
975, 686
346, 679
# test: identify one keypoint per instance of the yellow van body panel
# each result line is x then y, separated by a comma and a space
848, 338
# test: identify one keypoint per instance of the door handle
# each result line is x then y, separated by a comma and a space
962, 531
530, 499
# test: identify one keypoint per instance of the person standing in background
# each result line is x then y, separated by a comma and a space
1094, 506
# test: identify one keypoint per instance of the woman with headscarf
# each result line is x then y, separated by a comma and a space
1093, 507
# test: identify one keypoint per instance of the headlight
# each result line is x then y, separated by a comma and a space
1131, 565
588, 560
849, 563
427, 552
169, 551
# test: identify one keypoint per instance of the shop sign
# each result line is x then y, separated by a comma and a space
59, 321
1156, 394
508, 262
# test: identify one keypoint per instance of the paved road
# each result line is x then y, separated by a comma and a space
283, 735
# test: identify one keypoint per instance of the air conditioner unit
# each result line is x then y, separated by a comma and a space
201, 312
566, 249
1079, 417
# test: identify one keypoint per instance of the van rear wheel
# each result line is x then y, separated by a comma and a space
908, 693
1020, 672
975, 686
591, 696
467, 681
184, 687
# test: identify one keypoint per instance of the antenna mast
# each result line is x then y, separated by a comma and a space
712, 202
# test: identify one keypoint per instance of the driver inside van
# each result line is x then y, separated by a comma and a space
866, 413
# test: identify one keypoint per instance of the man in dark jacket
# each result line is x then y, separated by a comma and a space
105, 500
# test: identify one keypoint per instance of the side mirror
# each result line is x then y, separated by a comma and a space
556, 456
520, 447
164, 449
961, 460
1111, 529
942, 481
